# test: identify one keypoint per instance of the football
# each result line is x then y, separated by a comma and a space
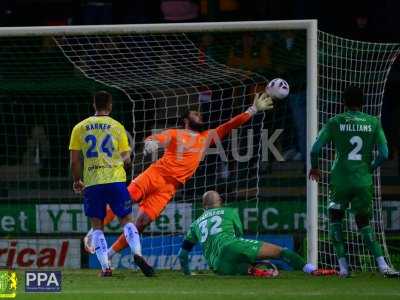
277, 88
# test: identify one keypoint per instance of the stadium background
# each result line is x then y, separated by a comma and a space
38, 180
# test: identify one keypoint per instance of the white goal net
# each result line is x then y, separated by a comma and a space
154, 76
163, 75
341, 63
154, 72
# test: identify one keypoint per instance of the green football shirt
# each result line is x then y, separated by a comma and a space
215, 229
353, 135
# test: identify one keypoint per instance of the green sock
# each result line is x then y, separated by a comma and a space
337, 239
293, 259
369, 239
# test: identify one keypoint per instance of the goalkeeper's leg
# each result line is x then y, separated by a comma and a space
151, 206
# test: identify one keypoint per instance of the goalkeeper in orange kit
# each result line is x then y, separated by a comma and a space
184, 148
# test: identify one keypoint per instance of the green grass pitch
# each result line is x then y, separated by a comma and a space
125, 284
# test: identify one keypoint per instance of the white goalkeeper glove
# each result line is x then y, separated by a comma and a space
150, 147
262, 102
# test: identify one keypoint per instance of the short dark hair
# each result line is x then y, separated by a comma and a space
102, 100
353, 97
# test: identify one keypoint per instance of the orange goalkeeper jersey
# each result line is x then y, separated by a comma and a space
184, 149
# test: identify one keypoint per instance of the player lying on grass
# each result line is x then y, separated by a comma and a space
219, 231
184, 148
103, 143
354, 135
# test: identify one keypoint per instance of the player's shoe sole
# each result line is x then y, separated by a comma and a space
146, 269
324, 272
391, 274
263, 269
263, 273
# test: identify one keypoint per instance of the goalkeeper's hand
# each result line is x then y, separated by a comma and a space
262, 102
150, 146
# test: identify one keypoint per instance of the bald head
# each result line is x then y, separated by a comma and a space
211, 199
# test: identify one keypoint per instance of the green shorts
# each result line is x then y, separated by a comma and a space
360, 199
236, 257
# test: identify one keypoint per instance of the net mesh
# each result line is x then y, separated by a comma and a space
46, 84
152, 77
343, 62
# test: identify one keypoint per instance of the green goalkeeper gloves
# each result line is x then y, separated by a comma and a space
262, 102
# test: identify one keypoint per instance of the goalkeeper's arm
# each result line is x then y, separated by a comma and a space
183, 256
262, 102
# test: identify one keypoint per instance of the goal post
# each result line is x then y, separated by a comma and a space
312, 131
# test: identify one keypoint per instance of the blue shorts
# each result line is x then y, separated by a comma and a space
96, 198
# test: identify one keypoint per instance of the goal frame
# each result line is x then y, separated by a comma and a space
311, 27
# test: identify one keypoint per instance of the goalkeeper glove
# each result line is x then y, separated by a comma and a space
150, 147
261, 102
183, 256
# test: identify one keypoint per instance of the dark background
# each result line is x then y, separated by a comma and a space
361, 20
366, 20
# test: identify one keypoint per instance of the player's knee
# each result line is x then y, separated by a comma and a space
336, 215
97, 224
269, 251
362, 220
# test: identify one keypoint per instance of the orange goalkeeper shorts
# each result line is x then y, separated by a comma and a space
157, 190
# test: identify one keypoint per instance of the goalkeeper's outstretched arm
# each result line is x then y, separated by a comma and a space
183, 256
262, 102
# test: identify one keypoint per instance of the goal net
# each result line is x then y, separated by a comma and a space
343, 62
49, 75
46, 87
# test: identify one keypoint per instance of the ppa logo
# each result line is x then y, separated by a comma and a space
43, 281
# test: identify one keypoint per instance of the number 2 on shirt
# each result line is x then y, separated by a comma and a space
355, 153
106, 146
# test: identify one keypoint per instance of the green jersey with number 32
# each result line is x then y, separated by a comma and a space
215, 229
353, 135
